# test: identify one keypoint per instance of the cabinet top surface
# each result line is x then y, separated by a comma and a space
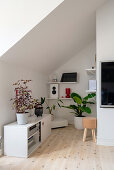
31, 121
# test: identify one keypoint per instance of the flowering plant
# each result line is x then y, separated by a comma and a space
23, 99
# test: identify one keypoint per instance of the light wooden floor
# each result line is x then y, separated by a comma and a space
64, 150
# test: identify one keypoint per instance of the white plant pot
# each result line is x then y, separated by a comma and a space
22, 118
78, 123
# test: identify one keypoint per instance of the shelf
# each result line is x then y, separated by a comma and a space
59, 98
33, 134
91, 91
62, 82
32, 147
91, 71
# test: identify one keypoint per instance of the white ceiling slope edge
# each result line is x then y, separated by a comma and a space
67, 30
17, 18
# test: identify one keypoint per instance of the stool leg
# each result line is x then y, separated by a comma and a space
85, 134
93, 135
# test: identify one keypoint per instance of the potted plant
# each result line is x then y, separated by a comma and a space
23, 101
53, 107
38, 106
80, 107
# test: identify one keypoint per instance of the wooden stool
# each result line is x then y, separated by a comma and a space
89, 123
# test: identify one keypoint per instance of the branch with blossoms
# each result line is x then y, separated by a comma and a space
23, 99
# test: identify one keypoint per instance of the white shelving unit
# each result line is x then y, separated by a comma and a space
92, 73
62, 82
61, 86
59, 98
90, 91
22, 140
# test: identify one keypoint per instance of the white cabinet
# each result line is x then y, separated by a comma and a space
45, 127
22, 140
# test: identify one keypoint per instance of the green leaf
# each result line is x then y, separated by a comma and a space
47, 107
89, 96
59, 100
77, 100
53, 107
85, 102
42, 100
71, 107
75, 94
86, 109
59, 105
91, 102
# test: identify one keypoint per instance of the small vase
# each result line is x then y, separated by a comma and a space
22, 118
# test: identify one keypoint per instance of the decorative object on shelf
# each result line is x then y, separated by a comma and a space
92, 84
67, 92
54, 78
38, 107
80, 107
69, 77
52, 107
54, 91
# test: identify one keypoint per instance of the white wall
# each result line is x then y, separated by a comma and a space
10, 74
17, 18
105, 51
83, 60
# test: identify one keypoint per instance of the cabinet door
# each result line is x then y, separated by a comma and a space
45, 128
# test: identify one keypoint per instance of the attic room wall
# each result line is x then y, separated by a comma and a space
10, 74
83, 60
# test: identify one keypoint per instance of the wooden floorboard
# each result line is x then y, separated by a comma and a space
64, 150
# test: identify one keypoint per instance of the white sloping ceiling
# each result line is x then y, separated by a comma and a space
68, 29
17, 18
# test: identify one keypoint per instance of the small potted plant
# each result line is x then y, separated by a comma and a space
53, 107
38, 106
80, 107
23, 101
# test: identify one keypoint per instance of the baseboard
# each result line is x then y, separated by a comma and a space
105, 142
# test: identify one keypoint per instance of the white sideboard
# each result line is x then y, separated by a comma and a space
22, 140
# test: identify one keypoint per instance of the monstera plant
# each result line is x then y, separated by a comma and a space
80, 106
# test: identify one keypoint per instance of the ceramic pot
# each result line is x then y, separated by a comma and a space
78, 123
39, 111
22, 118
